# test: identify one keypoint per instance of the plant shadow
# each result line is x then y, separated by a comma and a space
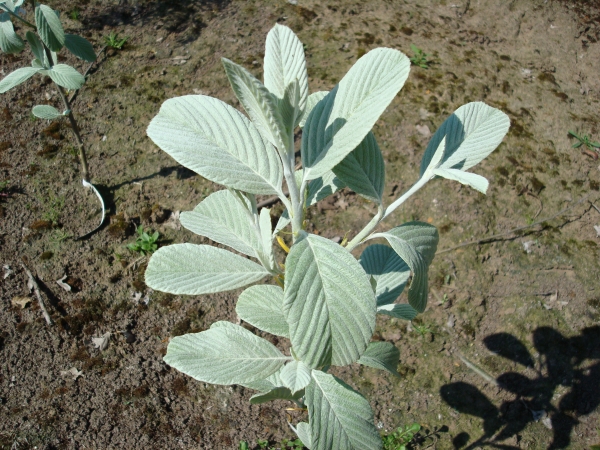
572, 363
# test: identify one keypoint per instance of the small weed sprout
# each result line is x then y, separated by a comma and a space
74, 14
113, 41
145, 243
584, 139
4, 188
323, 300
419, 57
399, 439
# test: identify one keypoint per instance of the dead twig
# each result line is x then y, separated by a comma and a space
32, 284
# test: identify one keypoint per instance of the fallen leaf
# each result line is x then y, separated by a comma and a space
596, 227
101, 343
8, 271
173, 221
21, 301
64, 285
73, 372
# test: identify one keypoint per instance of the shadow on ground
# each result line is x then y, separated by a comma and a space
573, 363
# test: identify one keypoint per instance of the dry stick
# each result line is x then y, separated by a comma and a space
36, 289
514, 230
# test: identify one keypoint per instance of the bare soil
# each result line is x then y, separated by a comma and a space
507, 354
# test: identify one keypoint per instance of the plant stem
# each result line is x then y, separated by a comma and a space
415, 187
358, 239
29, 24
82, 156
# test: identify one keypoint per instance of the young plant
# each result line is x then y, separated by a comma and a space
399, 439
325, 301
113, 41
145, 243
45, 39
584, 139
419, 57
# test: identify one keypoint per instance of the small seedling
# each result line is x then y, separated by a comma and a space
113, 41
399, 439
422, 329
419, 57
243, 446
74, 14
584, 139
145, 243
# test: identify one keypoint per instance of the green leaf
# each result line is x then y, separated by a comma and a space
471, 133
267, 256
363, 170
341, 120
340, 418
222, 218
389, 271
289, 108
303, 432
321, 187
273, 381
415, 243
65, 76
218, 142
313, 99
295, 376
17, 77
199, 269
262, 306
278, 393
259, 103
284, 221
226, 354
328, 303
285, 63
477, 182
37, 48
49, 27
46, 112
10, 42
381, 355
398, 310
80, 47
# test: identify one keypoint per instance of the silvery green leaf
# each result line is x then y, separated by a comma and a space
388, 270
340, 418
46, 112
65, 76
10, 42
227, 354
221, 217
266, 384
303, 432
313, 99
218, 142
9, 4
284, 63
267, 257
328, 303
295, 376
381, 355
262, 306
49, 27
284, 221
472, 132
37, 48
398, 310
341, 120
477, 182
363, 170
320, 188
259, 103
199, 269
415, 243
278, 393
17, 77
80, 47
289, 108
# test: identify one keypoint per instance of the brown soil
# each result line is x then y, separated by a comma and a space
526, 323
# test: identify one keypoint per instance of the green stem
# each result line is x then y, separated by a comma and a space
29, 24
358, 239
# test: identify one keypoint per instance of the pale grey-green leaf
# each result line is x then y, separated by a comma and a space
266, 384
320, 188
328, 303
398, 310
80, 47
259, 103
363, 170
46, 112
341, 120
278, 393
415, 243
284, 63
295, 376
49, 27
313, 99
284, 221
389, 271
10, 42
303, 432
477, 182
222, 218
227, 354
262, 306
65, 76
199, 269
472, 132
289, 107
267, 256
340, 418
17, 77
381, 355
218, 142
37, 48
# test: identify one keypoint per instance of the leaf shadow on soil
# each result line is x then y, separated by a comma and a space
573, 363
